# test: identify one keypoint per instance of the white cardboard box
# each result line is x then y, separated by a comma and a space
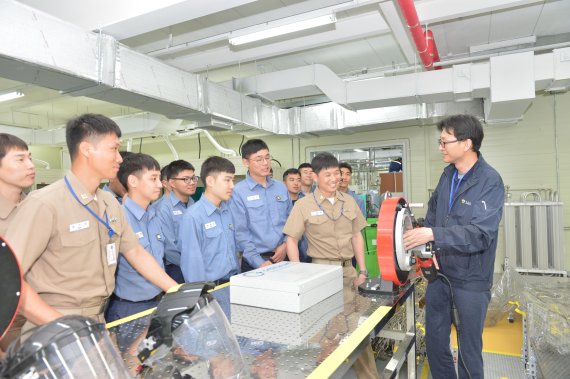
286, 286
285, 327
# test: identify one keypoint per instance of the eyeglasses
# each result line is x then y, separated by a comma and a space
261, 160
444, 143
188, 179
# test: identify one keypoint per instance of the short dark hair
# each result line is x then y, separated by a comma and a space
290, 171
323, 161
125, 154
214, 166
251, 147
304, 165
88, 126
135, 164
175, 167
464, 126
164, 172
9, 142
345, 165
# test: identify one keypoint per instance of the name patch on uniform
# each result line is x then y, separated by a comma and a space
139, 234
317, 213
177, 212
79, 226
210, 225
253, 197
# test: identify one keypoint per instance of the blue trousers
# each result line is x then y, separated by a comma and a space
472, 308
119, 309
174, 272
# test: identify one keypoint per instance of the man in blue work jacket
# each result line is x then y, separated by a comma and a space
462, 221
260, 205
208, 249
140, 175
171, 207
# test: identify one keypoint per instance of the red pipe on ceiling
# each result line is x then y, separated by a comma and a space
425, 44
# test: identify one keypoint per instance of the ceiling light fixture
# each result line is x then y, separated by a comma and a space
10, 95
283, 29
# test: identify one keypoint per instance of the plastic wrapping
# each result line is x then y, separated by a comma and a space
505, 292
204, 346
547, 307
545, 302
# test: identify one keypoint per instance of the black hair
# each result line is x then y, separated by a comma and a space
164, 172
251, 147
9, 142
290, 171
135, 164
345, 165
304, 165
323, 161
214, 166
88, 126
125, 154
175, 167
464, 127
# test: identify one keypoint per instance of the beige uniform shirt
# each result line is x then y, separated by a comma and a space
7, 212
329, 228
63, 249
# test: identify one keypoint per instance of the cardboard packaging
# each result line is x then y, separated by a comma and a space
286, 286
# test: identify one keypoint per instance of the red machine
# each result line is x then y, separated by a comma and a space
11, 280
394, 260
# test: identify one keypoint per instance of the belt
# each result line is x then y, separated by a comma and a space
219, 282
336, 262
156, 298
93, 310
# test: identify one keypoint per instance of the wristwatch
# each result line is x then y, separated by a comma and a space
363, 272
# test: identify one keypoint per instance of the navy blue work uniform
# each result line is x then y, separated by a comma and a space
464, 215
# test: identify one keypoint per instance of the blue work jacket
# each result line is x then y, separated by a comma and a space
465, 234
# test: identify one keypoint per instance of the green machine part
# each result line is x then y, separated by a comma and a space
370, 257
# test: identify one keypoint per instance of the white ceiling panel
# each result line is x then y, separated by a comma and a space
458, 35
515, 23
554, 18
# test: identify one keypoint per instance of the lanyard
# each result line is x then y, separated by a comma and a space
106, 222
454, 189
325, 213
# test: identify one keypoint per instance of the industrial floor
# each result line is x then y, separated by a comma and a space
502, 346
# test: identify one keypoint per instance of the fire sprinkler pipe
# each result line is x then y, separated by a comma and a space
425, 44
432, 48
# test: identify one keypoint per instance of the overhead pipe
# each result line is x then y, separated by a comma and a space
425, 44
432, 49
216, 144
171, 147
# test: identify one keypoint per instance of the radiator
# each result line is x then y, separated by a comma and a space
534, 234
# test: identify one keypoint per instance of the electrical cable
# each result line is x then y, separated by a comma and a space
241, 144
199, 146
455, 321
280, 165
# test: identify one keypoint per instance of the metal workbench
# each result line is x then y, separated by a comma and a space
322, 342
